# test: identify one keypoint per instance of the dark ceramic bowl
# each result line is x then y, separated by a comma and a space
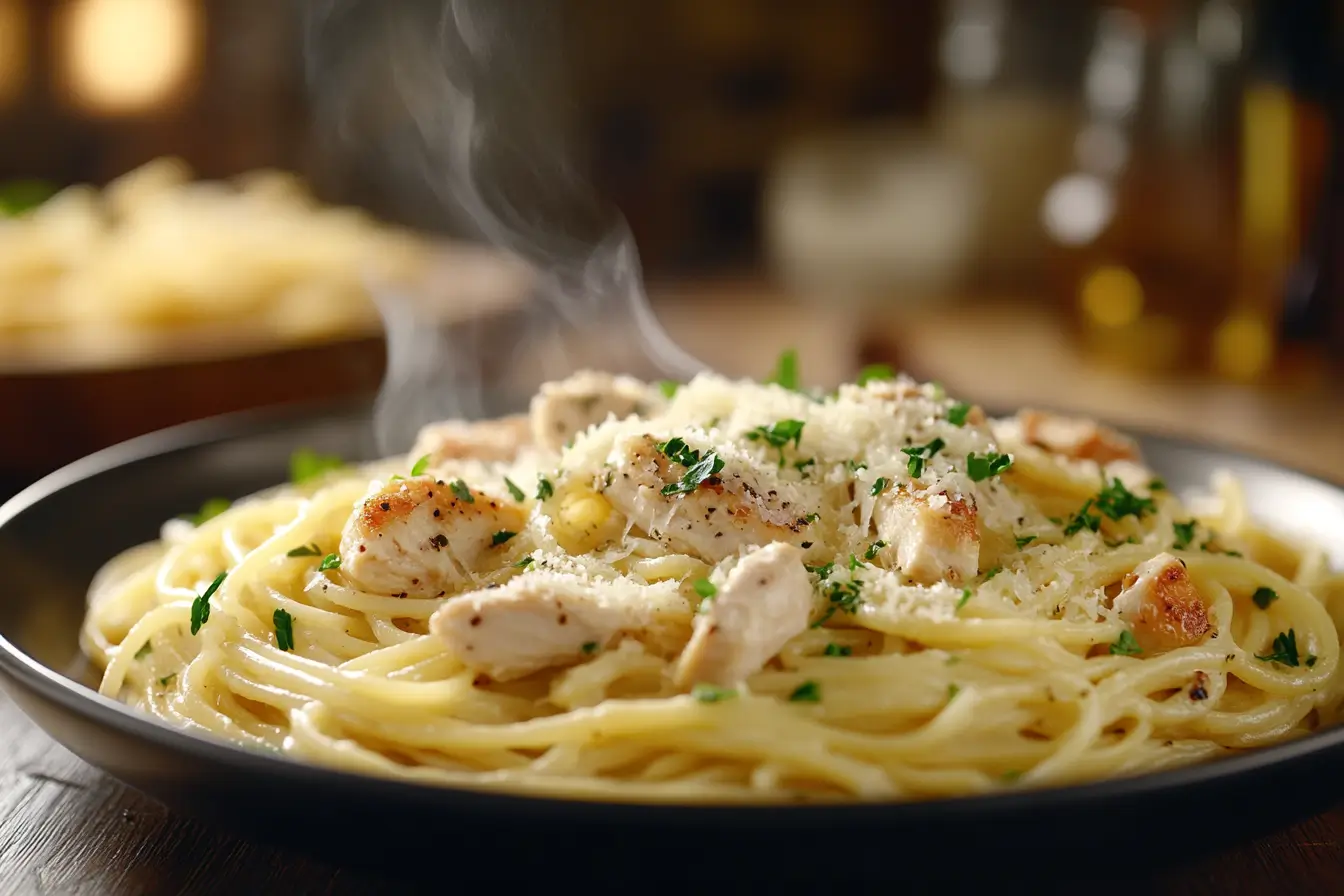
56, 534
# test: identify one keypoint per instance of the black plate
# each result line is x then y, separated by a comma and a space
55, 535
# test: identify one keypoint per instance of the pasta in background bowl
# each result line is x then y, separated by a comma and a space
728, 591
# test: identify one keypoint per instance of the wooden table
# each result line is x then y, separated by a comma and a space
67, 828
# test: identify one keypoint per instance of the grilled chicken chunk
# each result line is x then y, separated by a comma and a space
726, 512
1162, 605
423, 537
934, 539
563, 409
482, 440
540, 620
766, 601
1076, 438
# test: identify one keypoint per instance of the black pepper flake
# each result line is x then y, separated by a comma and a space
475, 621
805, 545
385, 506
436, 512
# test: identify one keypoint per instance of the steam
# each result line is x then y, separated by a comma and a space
461, 102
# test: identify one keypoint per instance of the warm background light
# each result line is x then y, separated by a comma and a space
13, 49
127, 56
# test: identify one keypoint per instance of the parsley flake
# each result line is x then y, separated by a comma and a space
1184, 534
307, 550
876, 372
919, 454
1126, 645
462, 491
200, 607
514, 491
331, 561
544, 488
421, 466
841, 596
778, 435
871, 554
501, 536
706, 467
1284, 650
589, 648
838, 650
284, 629
965, 596
1117, 502
1263, 597
956, 415
1024, 540
1083, 520
668, 387
705, 588
145, 650
992, 464
306, 465
524, 563
210, 509
708, 693
952, 690
1157, 485
880, 485
167, 679
993, 572
786, 371
807, 692
821, 571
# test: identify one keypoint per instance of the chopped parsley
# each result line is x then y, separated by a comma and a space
167, 679
708, 693
1024, 540
874, 372
421, 466
786, 371
965, 596
331, 561
956, 415
200, 607
589, 648
1263, 597
1284, 650
668, 387
284, 629
838, 650
992, 464
306, 464
514, 491
811, 518
802, 465
698, 468
844, 596
778, 435
1184, 534
145, 650
1011, 776
1083, 520
919, 454
1157, 485
807, 692
822, 571
1125, 645
544, 488
462, 491
993, 572
524, 563
307, 550
1116, 502
871, 554
705, 588
855, 466
501, 536
210, 509
879, 485
952, 690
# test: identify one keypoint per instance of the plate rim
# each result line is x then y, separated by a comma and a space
77, 698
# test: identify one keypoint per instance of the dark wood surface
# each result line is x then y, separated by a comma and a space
67, 828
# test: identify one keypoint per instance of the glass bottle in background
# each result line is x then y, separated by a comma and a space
1144, 226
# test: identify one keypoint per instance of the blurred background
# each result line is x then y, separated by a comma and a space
1132, 209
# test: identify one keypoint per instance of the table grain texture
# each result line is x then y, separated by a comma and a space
66, 828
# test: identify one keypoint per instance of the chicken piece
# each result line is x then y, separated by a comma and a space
727, 512
1162, 605
1076, 438
935, 539
563, 409
766, 601
422, 537
540, 620
482, 440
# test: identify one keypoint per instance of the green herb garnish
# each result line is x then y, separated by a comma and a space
420, 466
524, 563
838, 650
200, 607
307, 550
786, 371
705, 588
331, 561
1184, 534
284, 629
1284, 650
993, 572
1263, 597
874, 372
871, 553
918, 455
145, 650
544, 488
807, 692
965, 596
1083, 520
1125, 645
708, 693
668, 387
462, 491
501, 536
778, 435
514, 491
956, 415
1116, 502
589, 648
1024, 540
879, 486
210, 509
992, 464
952, 691
704, 468
306, 465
